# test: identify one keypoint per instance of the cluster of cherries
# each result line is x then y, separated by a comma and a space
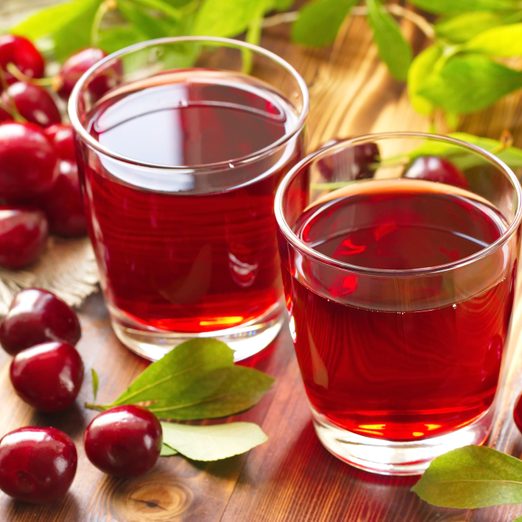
39, 186
38, 464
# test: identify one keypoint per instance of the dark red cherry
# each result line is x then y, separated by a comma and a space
23, 236
37, 465
37, 316
27, 161
124, 441
76, 65
354, 162
4, 115
434, 168
517, 413
23, 54
47, 376
62, 137
33, 103
63, 204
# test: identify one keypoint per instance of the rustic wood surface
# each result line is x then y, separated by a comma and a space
290, 478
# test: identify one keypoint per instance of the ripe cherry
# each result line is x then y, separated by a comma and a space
433, 168
63, 204
4, 115
37, 316
33, 103
517, 413
77, 64
27, 161
23, 236
37, 465
124, 441
47, 376
23, 54
62, 137
355, 162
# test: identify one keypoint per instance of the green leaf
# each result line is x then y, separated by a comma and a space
117, 37
512, 156
282, 5
209, 443
468, 83
393, 48
223, 392
167, 451
142, 20
319, 21
462, 28
471, 477
518, 519
419, 71
225, 18
178, 369
196, 380
68, 25
95, 383
165, 8
463, 6
505, 40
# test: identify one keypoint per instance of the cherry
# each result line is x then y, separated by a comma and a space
37, 316
23, 54
433, 168
23, 236
47, 376
27, 161
37, 465
62, 137
63, 204
4, 115
124, 441
517, 413
357, 161
77, 65
33, 103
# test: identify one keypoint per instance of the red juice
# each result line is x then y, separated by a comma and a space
419, 366
191, 249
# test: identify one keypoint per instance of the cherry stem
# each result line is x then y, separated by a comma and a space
22, 77
103, 9
93, 406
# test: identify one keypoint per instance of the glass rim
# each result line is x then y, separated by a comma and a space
79, 128
292, 237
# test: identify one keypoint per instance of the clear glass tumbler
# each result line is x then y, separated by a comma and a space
182, 143
399, 255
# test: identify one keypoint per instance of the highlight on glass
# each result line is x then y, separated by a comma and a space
180, 160
399, 257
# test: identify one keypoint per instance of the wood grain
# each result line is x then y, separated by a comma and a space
290, 478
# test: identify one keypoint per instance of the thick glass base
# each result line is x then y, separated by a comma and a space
246, 340
387, 457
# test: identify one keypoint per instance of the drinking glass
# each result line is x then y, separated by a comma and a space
181, 143
399, 256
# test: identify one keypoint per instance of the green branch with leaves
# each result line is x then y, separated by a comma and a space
469, 62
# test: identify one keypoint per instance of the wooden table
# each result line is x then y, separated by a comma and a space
291, 477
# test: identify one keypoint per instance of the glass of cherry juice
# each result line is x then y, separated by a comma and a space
182, 143
399, 262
